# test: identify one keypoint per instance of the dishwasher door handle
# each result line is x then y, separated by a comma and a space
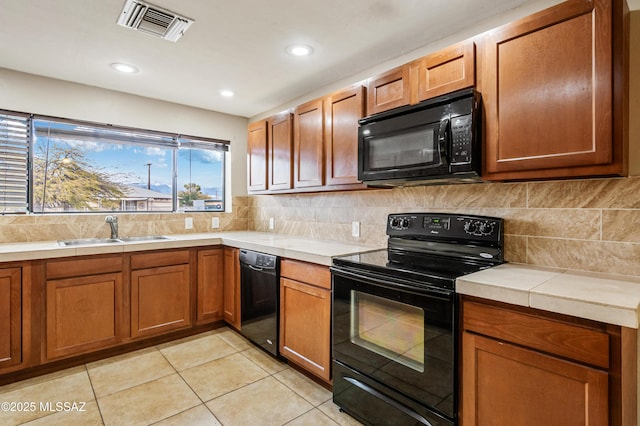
259, 269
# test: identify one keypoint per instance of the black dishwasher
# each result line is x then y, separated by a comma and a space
260, 295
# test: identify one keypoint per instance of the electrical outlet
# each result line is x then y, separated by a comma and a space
188, 223
355, 229
215, 222
272, 223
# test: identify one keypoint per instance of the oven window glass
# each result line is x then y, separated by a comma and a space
391, 329
406, 149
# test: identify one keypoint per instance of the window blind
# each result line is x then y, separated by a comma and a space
94, 133
203, 143
14, 156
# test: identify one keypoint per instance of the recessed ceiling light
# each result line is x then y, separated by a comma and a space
125, 68
227, 93
299, 50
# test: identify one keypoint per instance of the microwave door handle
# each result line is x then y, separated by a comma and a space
443, 139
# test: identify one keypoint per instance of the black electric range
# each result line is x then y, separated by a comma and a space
395, 317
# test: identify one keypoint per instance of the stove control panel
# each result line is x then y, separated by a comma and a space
448, 226
479, 227
400, 222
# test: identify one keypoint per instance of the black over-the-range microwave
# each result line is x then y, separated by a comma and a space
435, 141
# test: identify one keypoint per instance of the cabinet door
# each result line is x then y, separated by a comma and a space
159, 300
210, 285
257, 156
305, 326
232, 287
308, 143
506, 384
280, 149
10, 317
549, 104
343, 110
83, 314
446, 71
389, 90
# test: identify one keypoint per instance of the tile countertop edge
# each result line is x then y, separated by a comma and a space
298, 248
555, 290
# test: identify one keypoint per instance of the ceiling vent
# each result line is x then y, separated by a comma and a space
154, 20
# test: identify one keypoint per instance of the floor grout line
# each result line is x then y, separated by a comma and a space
95, 396
278, 371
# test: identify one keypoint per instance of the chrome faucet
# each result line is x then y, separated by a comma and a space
113, 222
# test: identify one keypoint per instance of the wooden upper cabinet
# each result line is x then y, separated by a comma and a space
550, 90
279, 151
10, 317
308, 140
389, 90
257, 156
446, 71
342, 112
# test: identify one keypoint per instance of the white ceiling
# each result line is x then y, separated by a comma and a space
233, 44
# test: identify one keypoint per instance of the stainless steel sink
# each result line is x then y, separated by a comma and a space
88, 242
145, 238
94, 241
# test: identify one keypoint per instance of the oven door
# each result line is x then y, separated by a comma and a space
400, 339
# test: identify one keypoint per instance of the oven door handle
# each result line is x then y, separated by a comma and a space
387, 399
433, 292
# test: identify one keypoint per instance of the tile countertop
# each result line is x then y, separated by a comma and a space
315, 251
600, 297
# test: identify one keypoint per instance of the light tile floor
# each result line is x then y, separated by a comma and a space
214, 378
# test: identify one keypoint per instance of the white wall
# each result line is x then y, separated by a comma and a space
40, 95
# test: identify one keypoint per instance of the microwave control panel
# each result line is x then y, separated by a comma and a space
461, 139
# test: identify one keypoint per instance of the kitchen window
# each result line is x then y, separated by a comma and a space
51, 165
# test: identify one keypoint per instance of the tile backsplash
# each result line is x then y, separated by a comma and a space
589, 225
51, 227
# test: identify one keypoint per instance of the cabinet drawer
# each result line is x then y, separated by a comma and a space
155, 259
566, 340
306, 272
77, 267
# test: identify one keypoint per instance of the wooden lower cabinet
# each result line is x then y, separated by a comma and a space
210, 296
305, 316
513, 385
159, 300
83, 314
232, 286
521, 369
10, 317
84, 305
